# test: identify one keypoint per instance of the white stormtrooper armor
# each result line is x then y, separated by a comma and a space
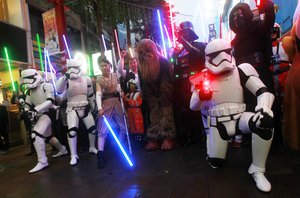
223, 109
38, 102
79, 92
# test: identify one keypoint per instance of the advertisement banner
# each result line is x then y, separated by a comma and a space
212, 32
51, 34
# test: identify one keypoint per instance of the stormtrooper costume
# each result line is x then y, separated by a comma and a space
79, 93
38, 103
218, 93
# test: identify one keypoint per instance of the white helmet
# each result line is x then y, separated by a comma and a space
218, 55
31, 78
131, 81
74, 68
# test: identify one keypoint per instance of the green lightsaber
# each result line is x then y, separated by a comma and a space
9, 67
40, 51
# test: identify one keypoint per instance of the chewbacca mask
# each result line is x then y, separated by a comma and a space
148, 60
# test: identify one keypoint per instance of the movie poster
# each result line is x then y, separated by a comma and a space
51, 34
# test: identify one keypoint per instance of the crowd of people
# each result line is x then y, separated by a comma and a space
210, 93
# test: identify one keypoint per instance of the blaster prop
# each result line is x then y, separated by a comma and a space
202, 82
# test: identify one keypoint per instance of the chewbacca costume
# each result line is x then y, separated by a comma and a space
158, 93
291, 45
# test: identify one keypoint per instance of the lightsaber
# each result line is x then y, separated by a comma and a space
167, 33
162, 33
67, 47
40, 51
118, 142
123, 109
104, 44
52, 70
9, 68
130, 51
258, 3
220, 26
117, 40
195, 15
113, 53
125, 122
172, 24
46, 69
89, 65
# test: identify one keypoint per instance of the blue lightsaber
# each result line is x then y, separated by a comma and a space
67, 47
162, 33
118, 142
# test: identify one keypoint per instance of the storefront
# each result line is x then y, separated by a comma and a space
15, 49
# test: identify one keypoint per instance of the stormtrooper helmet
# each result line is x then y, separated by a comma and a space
218, 56
30, 78
74, 69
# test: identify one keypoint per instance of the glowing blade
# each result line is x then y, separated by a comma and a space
118, 142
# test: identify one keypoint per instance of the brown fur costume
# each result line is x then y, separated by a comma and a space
291, 45
156, 78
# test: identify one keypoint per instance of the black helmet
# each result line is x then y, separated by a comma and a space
186, 29
246, 13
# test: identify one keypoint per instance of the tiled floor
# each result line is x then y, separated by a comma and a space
179, 173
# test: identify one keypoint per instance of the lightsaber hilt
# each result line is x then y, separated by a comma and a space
126, 127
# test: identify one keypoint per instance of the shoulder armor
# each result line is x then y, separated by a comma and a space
88, 79
48, 87
248, 69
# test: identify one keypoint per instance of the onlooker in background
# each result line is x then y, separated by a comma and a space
280, 64
127, 74
4, 140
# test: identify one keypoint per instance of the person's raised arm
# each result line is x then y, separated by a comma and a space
121, 69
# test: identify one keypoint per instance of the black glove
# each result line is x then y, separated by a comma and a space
265, 6
67, 75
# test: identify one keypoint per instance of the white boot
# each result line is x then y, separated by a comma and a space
40, 147
61, 149
74, 159
261, 181
92, 140
260, 151
73, 150
62, 152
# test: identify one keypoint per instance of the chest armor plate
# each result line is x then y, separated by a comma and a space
38, 96
77, 87
227, 89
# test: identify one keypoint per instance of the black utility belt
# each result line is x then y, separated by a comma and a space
108, 96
